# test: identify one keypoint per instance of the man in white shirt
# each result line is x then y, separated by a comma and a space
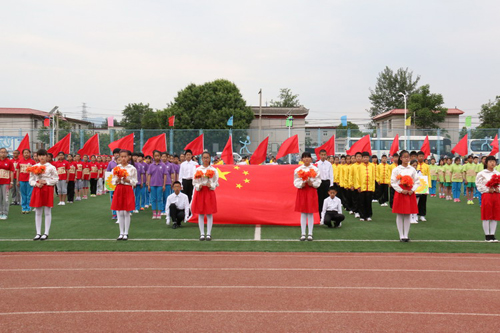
186, 174
326, 174
332, 210
177, 207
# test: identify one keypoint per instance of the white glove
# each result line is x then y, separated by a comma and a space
188, 218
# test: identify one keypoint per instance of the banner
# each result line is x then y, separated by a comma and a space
108, 175
424, 186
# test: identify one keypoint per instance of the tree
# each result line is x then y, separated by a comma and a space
389, 84
490, 118
355, 131
133, 115
286, 99
426, 108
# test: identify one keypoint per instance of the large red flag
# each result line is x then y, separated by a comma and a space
24, 144
260, 154
360, 146
329, 146
227, 153
394, 146
91, 147
126, 143
426, 147
461, 147
289, 146
266, 190
494, 146
62, 146
158, 142
196, 146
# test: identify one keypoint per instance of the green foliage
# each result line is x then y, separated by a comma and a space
286, 99
490, 117
355, 132
133, 115
426, 108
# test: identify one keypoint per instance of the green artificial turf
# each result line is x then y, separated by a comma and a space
87, 226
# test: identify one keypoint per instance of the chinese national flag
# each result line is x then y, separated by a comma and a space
127, 143
329, 146
494, 146
260, 154
171, 121
158, 142
267, 192
196, 146
62, 146
24, 144
91, 147
289, 146
461, 147
360, 146
227, 153
426, 147
394, 146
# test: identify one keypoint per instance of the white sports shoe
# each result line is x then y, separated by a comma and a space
356, 215
369, 219
423, 219
136, 211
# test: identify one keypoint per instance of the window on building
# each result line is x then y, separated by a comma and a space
325, 133
390, 124
35, 123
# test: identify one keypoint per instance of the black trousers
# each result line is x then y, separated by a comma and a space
347, 196
93, 185
187, 188
176, 214
383, 193
376, 194
355, 201
365, 204
340, 192
422, 205
392, 192
71, 190
322, 194
332, 215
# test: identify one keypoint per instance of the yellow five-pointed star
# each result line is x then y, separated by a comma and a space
222, 175
236, 167
245, 173
247, 181
239, 186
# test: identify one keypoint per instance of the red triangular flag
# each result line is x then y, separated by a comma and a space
260, 154
158, 142
394, 146
290, 146
426, 147
461, 147
494, 146
126, 143
91, 147
360, 146
329, 146
24, 144
62, 146
171, 121
227, 153
196, 146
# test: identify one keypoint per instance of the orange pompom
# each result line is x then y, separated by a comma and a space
198, 174
209, 173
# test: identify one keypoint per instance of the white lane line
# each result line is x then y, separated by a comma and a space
192, 311
257, 233
251, 287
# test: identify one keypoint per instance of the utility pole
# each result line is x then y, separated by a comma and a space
84, 112
260, 114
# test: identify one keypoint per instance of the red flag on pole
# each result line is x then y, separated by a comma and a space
127, 143
426, 147
461, 147
111, 121
360, 146
62, 146
158, 142
289, 146
24, 144
171, 121
196, 146
260, 154
227, 153
46, 122
394, 146
494, 146
91, 147
329, 146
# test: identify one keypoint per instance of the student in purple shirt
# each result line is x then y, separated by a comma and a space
169, 171
139, 187
156, 183
146, 163
112, 164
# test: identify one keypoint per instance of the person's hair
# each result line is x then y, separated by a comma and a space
342, 156
413, 152
442, 160
3, 148
305, 154
420, 153
70, 155
396, 154
322, 150
176, 182
458, 159
116, 151
358, 153
365, 153
333, 188
42, 152
77, 154
148, 156
433, 158
50, 154
26, 149
188, 151
206, 153
164, 153
61, 152
176, 156
129, 153
384, 156
470, 156
375, 156
96, 156
489, 158
156, 151
413, 161
476, 157
400, 161
135, 154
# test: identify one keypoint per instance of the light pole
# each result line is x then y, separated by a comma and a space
405, 96
51, 113
260, 113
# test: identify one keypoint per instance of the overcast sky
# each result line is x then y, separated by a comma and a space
111, 53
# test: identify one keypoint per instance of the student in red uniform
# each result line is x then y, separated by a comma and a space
100, 180
62, 167
16, 195
94, 175
42, 198
71, 179
6, 182
23, 177
79, 178
86, 176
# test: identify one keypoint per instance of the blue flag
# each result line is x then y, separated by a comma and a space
230, 121
343, 119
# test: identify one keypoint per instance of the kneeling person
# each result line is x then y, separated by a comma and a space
177, 207
332, 210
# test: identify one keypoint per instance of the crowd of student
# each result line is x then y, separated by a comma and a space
177, 187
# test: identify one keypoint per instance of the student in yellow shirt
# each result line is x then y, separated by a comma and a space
425, 171
353, 182
347, 193
365, 185
394, 165
336, 175
376, 194
383, 179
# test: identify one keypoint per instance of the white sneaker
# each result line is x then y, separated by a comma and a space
414, 222
384, 205
136, 211
351, 212
374, 200
163, 214
361, 219
356, 215
63, 203
422, 218
369, 219
146, 206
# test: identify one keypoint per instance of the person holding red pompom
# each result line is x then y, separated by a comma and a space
488, 183
404, 181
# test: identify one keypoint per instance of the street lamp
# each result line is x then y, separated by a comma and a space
405, 96
51, 113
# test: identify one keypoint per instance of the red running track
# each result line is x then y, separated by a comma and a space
249, 292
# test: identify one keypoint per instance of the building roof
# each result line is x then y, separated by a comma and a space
275, 111
401, 112
38, 113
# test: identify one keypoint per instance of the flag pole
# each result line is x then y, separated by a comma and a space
260, 113
405, 95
